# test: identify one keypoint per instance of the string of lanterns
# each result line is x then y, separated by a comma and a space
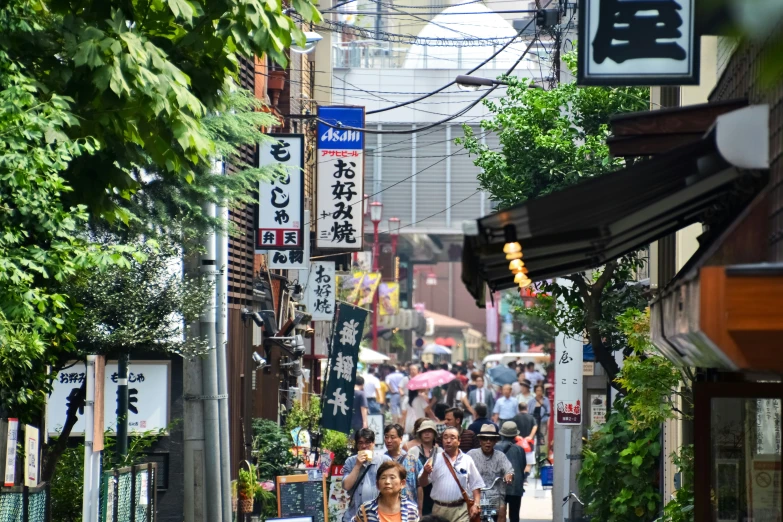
513, 251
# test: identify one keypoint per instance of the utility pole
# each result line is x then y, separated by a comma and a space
122, 406
209, 371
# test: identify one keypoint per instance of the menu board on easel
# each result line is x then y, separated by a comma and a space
302, 495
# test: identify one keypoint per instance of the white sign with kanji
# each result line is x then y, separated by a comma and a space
568, 381
149, 396
319, 290
340, 178
292, 259
281, 199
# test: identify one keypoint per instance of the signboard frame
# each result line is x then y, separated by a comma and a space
569, 393
304, 477
259, 247
586, 78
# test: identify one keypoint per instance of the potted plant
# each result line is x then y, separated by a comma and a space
247, 488
337, 444
276, 80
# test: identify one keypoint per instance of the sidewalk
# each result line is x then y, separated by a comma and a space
536, 504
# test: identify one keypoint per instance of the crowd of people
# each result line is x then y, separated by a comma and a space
442, 445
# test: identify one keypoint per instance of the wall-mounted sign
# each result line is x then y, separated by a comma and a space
148, 387
281, 200
340, 183
568, 381
31, 464
10, 457
632, 42
319, 289
295, 259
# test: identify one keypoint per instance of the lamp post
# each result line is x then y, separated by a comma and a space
376, 213
473, 83
394, 232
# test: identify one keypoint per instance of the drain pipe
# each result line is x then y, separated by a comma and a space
221, 347
209, 370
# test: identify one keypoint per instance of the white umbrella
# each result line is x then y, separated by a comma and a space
436, 349
368, 356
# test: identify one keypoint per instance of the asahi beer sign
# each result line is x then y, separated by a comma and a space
281, 199
637, 42
339, 220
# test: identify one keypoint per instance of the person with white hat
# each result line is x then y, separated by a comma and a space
426, 434
493, 464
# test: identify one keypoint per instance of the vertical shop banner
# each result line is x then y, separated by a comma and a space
389, 298
10, 452
320, 289
295, 259
338, 397
340, 178
281, 199
624, 42
568, 381
31, 464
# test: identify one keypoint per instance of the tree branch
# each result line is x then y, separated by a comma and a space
603, 280
55, 452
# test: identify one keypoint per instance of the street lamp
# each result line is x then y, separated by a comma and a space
376, 213
473, 83
394, 232
311, 39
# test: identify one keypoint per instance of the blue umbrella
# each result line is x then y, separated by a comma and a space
500, 375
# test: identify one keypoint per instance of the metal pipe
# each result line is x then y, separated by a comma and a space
221, 347
209, 370
122, 406
89, 405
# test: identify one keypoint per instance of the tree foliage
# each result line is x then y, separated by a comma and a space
617, 479
551, 140
143, 74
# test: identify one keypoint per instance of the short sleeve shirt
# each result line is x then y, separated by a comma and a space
506, 408
367, 490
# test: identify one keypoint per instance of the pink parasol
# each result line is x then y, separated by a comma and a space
430, 379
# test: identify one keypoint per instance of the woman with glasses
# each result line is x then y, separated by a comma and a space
390, 505
360, 471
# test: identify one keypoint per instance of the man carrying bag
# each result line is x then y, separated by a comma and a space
456, 482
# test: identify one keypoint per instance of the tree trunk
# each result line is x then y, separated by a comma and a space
54, 452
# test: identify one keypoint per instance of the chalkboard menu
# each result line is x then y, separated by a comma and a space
298, 495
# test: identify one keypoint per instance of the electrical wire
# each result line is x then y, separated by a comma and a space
439, 122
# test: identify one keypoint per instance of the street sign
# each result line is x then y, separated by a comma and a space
651, 42
340, 179
148, 386
281, 200
568, 381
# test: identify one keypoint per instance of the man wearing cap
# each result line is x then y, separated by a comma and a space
493, 464
515, 455
447, 487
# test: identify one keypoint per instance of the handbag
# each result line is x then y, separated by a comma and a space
468, 501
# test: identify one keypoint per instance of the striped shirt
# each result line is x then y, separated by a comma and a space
408, 510
444, 488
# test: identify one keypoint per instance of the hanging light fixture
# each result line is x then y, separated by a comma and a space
525, 283
516, 265
513, 255
520, 278
512, 246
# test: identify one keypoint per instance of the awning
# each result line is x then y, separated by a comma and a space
603, 218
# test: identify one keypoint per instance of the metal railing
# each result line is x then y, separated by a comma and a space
26, 504
129, 494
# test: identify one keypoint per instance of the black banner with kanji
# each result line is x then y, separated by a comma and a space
337, 401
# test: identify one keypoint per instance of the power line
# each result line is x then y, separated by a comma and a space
439, 122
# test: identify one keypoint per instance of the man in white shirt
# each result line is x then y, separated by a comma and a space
446, 492
534, 376
372, 387
394, 380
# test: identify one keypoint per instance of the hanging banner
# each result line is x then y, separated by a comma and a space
625, 42
389, 298
319, 290
295, 259
340, 179
281, 200
364, 286
338, 397
568, 380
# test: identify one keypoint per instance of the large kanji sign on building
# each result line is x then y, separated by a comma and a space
340, 184
281, 199
638, 42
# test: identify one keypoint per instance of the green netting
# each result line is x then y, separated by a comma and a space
36, 506
116, 493
10, 507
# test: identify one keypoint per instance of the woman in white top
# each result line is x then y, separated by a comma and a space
418, 407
